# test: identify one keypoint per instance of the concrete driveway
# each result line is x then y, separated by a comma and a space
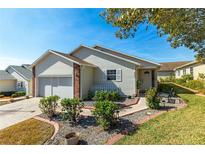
18, 111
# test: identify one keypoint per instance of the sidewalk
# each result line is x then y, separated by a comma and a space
141, 105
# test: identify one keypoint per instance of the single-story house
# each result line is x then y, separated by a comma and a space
193, 68
89, 69
7, 81
23, 76
167, 68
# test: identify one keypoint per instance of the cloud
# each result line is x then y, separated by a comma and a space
6, 61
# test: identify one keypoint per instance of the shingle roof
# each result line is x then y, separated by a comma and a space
28, 66
5, 75
132, 58
170, 66
26, 73
74, 58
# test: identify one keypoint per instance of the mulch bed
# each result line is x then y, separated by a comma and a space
91, 134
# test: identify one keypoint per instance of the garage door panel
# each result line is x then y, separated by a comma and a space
61, 86
45, 87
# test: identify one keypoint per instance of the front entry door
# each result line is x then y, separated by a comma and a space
146, 77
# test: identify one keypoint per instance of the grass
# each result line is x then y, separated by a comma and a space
184, 126
28, 132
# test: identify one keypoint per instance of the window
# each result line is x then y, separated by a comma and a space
20, 84
111, 74
191, 71
184, 71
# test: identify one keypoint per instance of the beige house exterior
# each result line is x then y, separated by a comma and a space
193, 68
89, 69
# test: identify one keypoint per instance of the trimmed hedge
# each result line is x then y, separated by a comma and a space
106, 95
7, 93
18, 94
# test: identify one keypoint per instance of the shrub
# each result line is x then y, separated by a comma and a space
153, 100
71, 109
180, 81
7, 93
48, 105
187, 77
106, 95
105, 113
201, 76
14, 95
195, 84
20, 93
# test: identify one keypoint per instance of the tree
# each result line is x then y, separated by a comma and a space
184, 27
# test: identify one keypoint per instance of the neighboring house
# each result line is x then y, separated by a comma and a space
7, 81
89, 69
167, 68
193, 68
23, 75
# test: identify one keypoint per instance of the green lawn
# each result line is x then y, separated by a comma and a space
184, 126
28, 132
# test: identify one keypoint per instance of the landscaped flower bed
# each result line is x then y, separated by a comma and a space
92, 134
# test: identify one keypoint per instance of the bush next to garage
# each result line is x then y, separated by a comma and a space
18, 94
48, 105
7, 93
152, 98
105, 113
71, 109
107, 95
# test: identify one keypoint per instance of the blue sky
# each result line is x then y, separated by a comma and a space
25, 34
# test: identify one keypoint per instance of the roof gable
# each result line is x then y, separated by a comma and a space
22, 71
170, 66
116, 54
63, 55
4, 75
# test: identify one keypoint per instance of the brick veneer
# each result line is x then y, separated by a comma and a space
33, 81
76, 75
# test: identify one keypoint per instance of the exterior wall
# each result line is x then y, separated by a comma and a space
52, 66
164, 74
7, 85
105, 62
197, 68
20, 79
87, 77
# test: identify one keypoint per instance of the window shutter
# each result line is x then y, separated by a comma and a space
104, 75
118, 75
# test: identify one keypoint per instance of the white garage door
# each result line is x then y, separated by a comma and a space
61, 86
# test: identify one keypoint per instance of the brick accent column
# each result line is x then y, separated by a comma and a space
33, 81
76, 79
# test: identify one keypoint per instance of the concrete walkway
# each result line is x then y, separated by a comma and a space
18, 111
141, 105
